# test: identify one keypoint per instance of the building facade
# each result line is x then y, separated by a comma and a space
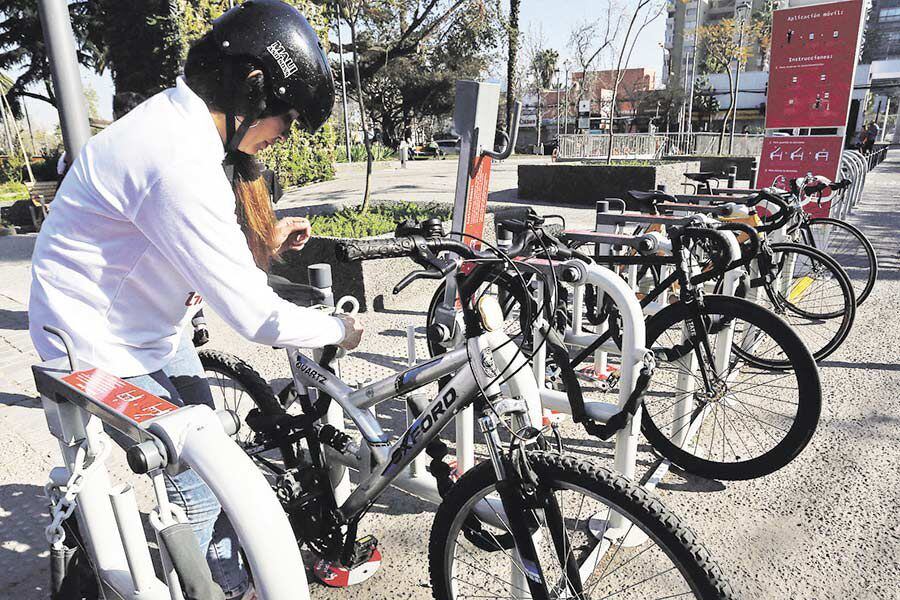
882, 35
682, 53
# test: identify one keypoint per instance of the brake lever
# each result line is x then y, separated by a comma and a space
423, 274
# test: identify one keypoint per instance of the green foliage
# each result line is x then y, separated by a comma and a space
358, 153
412, 53
11, 168
12, 191
303, 158
44, 169
350, 223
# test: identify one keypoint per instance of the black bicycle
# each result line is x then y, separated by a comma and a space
736, 394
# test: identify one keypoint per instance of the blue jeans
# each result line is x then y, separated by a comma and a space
183, 382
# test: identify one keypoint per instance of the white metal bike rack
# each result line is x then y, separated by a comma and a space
77, 400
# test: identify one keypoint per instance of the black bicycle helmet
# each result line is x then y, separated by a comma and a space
280, 39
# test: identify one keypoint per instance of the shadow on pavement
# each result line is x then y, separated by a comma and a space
16, 320
18, 400
860, 365
24, 551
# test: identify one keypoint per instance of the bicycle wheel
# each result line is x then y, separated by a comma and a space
755, 419
813, 294
471, 549
849, 247
237, 387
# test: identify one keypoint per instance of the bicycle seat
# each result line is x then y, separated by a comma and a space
296, 293
650, 196
703, 176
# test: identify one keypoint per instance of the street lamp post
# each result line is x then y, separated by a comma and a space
742, 9
566, 64
558, 113
690, 113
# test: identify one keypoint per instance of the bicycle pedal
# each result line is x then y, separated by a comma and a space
365, 562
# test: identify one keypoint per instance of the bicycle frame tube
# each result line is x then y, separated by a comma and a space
455, 396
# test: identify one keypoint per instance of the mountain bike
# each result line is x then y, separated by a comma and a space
529, 521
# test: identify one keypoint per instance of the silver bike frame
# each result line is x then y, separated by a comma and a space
381, 463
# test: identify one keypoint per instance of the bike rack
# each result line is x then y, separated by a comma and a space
78, 400
626, 441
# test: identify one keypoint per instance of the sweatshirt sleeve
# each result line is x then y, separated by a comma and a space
188, 214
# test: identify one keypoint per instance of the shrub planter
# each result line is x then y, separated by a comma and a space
587, 183
371, 282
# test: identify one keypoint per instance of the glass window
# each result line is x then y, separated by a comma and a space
889, 14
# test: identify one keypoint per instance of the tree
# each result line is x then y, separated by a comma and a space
720, 44
544, 65
406, 56
643, 14
588, 40
512, 58
22, 46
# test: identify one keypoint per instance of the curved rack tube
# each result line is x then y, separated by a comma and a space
196, 435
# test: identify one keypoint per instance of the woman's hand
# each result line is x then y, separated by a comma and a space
352, 331
293, 233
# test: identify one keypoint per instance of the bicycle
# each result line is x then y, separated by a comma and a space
575, 525
801, 284
709, 349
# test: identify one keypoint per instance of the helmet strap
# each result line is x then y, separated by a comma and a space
233, 138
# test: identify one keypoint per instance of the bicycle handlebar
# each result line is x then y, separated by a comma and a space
407, 246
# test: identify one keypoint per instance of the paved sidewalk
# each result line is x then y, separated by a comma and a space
825, 527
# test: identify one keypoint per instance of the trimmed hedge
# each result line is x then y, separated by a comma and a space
383, 218
303, 158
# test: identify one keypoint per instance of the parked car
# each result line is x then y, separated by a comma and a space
435, 149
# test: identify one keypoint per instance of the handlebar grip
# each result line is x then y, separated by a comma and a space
375, 249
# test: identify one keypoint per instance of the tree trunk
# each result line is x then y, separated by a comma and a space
612, 108
511, 60
732, 95
364, 207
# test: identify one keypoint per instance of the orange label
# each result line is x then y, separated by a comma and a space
122, 397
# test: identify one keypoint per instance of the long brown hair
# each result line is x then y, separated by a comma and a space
254, 210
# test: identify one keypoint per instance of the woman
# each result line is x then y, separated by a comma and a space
144, 228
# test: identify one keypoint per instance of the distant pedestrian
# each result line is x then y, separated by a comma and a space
404, 152
871, 136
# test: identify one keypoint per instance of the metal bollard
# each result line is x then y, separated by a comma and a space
754, 168
732, 175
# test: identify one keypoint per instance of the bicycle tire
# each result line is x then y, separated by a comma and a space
233, 372
810, 323
676, 542
801, 366
868, 271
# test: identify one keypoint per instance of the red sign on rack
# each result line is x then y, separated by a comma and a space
124, 398
786, 158
476, 206
812, 63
